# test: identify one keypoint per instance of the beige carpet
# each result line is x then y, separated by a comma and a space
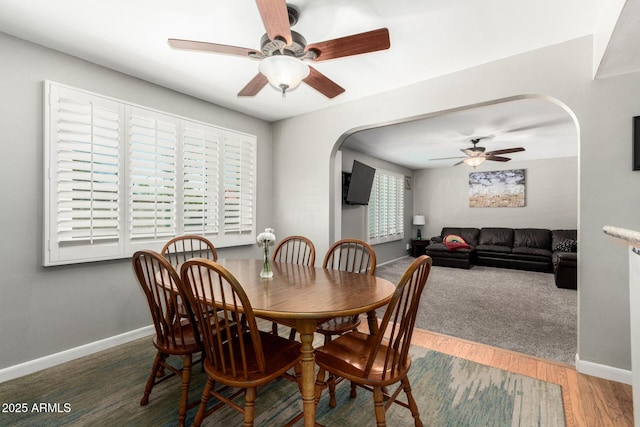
516, 310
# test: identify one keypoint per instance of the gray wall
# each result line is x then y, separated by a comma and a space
47, 310
551, 196
608, 189
354, 218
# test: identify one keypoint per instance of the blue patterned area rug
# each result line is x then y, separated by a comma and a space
105, 389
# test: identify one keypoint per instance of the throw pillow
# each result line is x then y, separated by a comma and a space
452, 238
567, 245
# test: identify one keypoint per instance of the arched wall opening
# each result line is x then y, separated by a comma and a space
571, 220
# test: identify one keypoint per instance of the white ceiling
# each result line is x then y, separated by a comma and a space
428, 39
544, 129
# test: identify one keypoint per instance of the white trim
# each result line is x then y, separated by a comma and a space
603, 371
392, 260
51, 360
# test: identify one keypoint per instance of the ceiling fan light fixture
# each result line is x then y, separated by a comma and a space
473, 161
284, 72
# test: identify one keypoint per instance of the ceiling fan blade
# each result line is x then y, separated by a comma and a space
497, 158
547, 123
275, 18
459, 163
212, 47
322, 83
254, 86
371, 41
505, 151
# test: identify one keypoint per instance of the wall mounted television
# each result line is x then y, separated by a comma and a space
356, 186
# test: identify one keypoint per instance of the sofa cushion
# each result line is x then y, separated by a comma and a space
494, 248
532, 238
532, 251
493, 236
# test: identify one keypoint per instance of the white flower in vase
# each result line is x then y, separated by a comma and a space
266, 239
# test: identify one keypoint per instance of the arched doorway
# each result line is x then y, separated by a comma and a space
543, 125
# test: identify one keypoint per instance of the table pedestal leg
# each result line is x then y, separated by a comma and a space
372, 320
308, 365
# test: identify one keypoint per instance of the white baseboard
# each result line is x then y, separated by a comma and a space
392, 260
51, 360
603, 371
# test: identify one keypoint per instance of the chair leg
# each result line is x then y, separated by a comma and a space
206, 395
274, 328
292, 334
353, 394
298, 371
320, 385
332, 390
249, 406
186, 379
411, 401
378, 402
163, 361
152, 379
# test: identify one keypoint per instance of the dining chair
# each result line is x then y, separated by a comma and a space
293, 250
237, 354
181, 248
175, 331
351, 255
376, 361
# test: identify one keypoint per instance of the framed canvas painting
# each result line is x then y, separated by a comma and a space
497, 189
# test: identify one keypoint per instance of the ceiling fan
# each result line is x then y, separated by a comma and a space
283, 53
477, 155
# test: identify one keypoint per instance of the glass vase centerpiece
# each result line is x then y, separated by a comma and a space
266, 239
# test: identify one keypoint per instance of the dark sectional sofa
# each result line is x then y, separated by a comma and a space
532, 249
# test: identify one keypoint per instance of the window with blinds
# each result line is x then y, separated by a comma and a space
386, 207
120, 177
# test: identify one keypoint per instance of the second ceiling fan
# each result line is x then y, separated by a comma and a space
282, 51
477, 155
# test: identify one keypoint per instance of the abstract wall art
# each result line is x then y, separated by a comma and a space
497, 189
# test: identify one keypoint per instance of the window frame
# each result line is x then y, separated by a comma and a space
56, 252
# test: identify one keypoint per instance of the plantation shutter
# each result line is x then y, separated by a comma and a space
152, 174
386, 207
120, 177
84, 176
238, 179
200, 145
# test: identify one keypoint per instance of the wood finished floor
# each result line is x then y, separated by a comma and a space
588, 401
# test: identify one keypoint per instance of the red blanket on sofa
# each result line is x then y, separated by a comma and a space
452, 246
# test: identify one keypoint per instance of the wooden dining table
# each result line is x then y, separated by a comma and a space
302, 297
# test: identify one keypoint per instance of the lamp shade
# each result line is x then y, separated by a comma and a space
418, 220
284, 72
